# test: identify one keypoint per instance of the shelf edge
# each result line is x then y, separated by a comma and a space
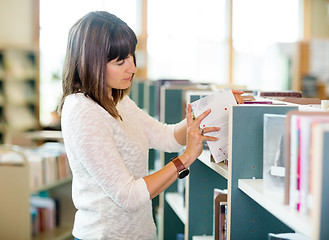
274, 204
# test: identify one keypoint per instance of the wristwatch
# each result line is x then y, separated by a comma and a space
182, 171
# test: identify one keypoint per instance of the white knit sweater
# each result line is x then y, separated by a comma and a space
108, 158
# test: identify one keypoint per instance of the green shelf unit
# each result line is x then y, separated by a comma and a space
248, 220
137, 93
173, 224
151, 98
251, 213
141, 94
202, 182
150, 106
170, 113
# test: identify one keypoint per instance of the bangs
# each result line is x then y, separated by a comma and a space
122, 43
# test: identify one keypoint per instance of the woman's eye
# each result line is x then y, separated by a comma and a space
121, 62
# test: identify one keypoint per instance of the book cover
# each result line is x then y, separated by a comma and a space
281, 94
320, 153
219, 102
220, 202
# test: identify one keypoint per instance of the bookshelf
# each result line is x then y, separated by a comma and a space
252, 212
245, 216
19, 94
16, 221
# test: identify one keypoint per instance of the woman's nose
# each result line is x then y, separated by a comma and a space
131, 65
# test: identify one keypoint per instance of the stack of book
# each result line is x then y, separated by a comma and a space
44, 214
304, 137
48, 164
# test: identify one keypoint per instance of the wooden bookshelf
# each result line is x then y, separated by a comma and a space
16, 221
52, 185
60, 233
19, 92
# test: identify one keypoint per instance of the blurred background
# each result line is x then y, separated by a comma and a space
268, 45
253, 45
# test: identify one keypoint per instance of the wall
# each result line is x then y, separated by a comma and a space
17, 23
320, 19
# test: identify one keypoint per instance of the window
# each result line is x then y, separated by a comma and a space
56, 18
264, 32
187, 39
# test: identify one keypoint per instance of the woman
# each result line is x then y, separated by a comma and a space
107, 137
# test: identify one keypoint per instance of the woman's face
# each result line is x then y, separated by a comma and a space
119, 73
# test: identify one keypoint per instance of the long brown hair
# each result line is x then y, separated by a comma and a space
93, 41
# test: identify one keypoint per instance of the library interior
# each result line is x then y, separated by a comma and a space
264, 178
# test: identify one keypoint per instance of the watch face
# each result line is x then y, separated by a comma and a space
183, 173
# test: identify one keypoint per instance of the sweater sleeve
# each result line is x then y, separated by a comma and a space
161, 136
88, 141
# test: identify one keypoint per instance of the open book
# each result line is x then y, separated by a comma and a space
219, 102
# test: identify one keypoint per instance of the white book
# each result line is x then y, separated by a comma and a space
219, 102
305, 158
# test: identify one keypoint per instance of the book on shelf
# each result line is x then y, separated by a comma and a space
44, 214
296, 94
257, 102
301, 101
274, 153
52, 161
213, 160
319, 176
47, 163
300, 159
219, 102
220, 213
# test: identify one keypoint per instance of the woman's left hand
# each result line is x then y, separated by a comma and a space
237, 95
195, 135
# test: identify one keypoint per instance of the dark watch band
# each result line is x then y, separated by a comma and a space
182, 171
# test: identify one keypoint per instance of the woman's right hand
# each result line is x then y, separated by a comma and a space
195, 137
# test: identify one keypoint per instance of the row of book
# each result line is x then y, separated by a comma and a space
304, 136
293, 144
48, 164
44, 214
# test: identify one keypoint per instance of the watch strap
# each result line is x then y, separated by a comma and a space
178, 163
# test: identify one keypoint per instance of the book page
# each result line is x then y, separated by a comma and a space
219, 102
